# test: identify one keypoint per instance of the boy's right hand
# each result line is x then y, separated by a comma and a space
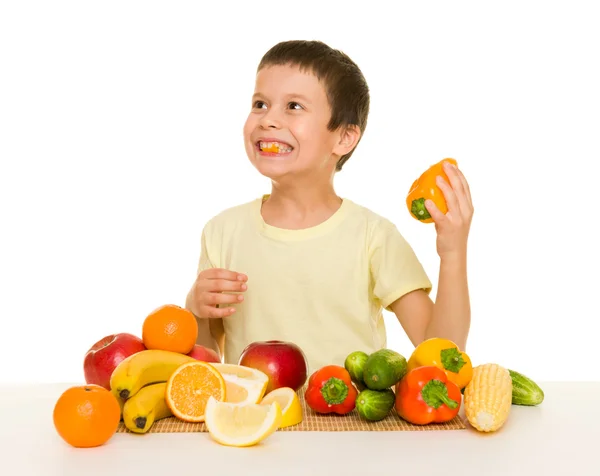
213, 287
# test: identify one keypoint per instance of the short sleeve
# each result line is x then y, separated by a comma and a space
395, 268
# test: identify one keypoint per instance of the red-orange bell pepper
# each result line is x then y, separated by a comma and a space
330, 390
425, 395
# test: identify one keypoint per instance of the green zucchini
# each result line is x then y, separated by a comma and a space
524, 390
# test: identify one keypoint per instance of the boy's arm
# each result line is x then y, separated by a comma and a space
208, 331
449, 317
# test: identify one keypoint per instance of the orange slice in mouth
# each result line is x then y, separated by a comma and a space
272, 148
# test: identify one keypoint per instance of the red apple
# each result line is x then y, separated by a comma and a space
103, 357
206, 354
283, 362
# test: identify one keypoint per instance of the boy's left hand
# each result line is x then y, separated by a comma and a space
453, 227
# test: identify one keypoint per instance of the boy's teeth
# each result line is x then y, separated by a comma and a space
275, 147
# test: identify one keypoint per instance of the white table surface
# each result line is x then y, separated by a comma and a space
560, 436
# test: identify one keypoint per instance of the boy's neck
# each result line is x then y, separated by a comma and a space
300, 207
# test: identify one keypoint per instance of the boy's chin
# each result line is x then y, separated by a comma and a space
273, 173
273, 169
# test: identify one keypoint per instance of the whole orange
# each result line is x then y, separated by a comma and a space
86, 416
170, 327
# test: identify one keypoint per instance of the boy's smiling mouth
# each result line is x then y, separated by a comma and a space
273, 147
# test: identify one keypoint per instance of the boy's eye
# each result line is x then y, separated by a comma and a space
259, 104
295, 105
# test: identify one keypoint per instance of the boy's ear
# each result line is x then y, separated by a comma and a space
349, 137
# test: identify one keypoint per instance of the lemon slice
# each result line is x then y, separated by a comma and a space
243, 384
233, 424
291, 410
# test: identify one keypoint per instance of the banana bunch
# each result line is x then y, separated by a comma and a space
144, 368
139, 384
145, 407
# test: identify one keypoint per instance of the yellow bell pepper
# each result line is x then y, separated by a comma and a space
425, 187
444, 354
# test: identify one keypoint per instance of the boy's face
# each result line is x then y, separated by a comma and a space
286, 131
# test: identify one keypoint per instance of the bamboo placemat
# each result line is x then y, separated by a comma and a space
313, 421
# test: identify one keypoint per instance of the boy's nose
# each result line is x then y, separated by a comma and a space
269, 120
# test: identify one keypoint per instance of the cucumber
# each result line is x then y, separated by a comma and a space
384, 369
355, 365
375, 405
524, 390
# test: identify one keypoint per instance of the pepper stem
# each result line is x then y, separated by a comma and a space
452, 359
418, 209
435, 394
334, 391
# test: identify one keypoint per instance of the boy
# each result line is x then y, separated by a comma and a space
303, 265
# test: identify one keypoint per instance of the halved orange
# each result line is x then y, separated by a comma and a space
189, 388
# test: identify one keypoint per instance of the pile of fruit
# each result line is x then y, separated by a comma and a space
166, 374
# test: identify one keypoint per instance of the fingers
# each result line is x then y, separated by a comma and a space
459, 187
222, 285
212, 299
213, 292
221, 280
452, 173
211, 312
449, 195
223, 274
434, 211
465, 187
215, 304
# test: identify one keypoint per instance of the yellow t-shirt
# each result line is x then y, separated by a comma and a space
323, 287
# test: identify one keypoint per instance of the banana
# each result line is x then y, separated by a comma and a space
144, 368
145, 407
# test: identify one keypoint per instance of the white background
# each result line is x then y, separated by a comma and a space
120, 136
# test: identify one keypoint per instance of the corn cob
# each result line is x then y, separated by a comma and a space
488, 397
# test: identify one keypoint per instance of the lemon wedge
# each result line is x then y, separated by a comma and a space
233, 424
291, 409
243, 384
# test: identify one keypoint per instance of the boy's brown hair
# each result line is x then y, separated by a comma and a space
345, 85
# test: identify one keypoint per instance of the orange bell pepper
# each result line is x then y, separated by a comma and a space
425, 187
444, 354
425, 395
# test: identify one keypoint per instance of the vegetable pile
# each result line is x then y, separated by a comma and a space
428, 388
